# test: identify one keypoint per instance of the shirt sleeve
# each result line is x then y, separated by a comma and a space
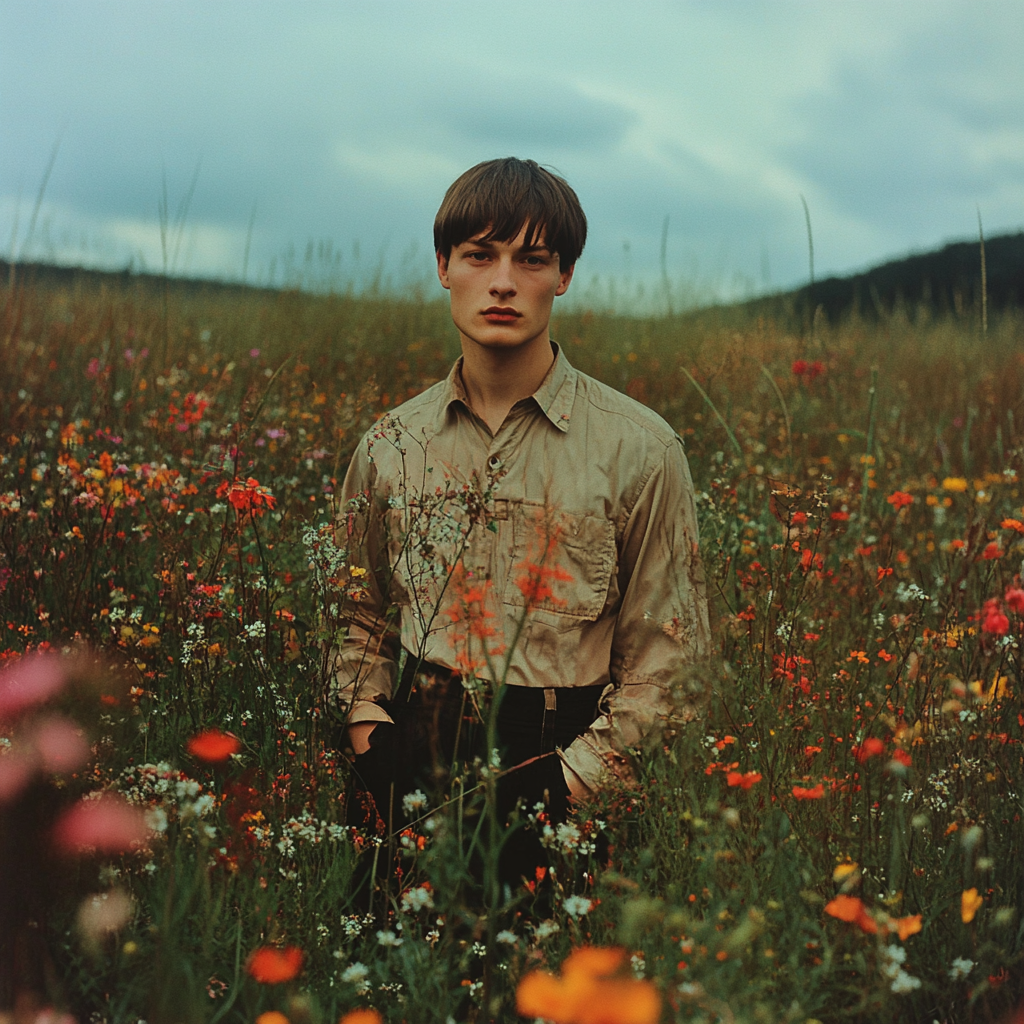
662, 636
364, 657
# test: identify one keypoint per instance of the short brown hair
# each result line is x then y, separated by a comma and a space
505, 194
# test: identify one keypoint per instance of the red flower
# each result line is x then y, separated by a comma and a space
213, 746
800, 367
902, 757
814, 793
816, 369
270, 966
108, 824
746, 780
1015, 599
900, 499
247, 497
871, 747
992, 551
993, 619
840, 516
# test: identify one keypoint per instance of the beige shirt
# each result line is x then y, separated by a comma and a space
560, 551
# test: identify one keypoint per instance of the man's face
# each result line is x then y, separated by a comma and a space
502, 292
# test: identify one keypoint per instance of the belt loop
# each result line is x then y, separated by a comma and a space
547, 729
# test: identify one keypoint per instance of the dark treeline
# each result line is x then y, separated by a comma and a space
945, 281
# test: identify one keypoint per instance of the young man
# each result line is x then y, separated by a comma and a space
527, 523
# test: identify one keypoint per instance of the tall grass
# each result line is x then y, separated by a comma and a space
858, 492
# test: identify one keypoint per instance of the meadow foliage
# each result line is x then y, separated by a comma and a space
837, 836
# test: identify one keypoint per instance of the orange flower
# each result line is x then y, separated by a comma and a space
900, 499
213, 746
270, 966
970, 903
746, 780
586, 994
815, 793
907, 926
852, 910
272, 1017
871, 747
362, 1016
1012, 524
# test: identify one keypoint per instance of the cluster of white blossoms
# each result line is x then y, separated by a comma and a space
417, 899
308, 830
960, 968
414, 802
577, 906
357, 974
893, 958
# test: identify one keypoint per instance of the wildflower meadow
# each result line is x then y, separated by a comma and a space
834, 835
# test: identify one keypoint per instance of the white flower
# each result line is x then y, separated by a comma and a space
568, 836
960, 968
546, 929
388, 938
156, 819
357, 974
506, 937
904, 982
576, 906
413, 802
417, 899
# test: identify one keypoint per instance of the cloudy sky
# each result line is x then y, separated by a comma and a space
341, 124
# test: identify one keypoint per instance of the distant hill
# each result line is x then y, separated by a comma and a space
53, 275
945, 280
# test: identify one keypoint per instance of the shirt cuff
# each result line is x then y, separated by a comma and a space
585, 763
367, 711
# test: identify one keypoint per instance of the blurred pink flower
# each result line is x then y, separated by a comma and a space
32, 679
60, 745
107, 824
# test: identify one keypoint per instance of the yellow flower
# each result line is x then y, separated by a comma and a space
844, 870
954, 483
970, 902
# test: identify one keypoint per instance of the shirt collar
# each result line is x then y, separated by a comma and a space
555, 396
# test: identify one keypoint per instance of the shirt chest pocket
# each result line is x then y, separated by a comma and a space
562, 564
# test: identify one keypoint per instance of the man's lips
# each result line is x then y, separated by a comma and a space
501, 314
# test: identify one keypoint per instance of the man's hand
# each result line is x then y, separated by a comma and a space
359, 736
578, 789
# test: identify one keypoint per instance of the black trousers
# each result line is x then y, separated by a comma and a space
436, 727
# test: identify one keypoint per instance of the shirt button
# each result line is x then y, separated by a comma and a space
493, 461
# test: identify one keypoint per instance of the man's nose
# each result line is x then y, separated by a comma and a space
502, 279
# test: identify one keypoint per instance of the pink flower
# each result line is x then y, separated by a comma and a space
33, 679
60, 745
108, 824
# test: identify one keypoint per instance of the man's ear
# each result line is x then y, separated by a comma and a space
564, 280
442, 269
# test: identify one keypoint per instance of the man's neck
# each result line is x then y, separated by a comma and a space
495, 379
